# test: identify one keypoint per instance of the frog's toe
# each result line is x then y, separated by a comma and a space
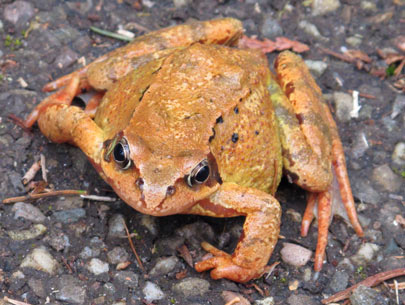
224, 267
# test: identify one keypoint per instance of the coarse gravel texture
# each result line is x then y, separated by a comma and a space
67, 250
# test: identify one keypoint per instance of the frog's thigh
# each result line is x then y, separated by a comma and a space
304, 131
261, 227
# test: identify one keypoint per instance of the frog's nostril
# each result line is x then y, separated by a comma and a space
139, 183
170, 190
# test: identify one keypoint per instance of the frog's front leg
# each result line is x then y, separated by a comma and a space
60, 122
260, 231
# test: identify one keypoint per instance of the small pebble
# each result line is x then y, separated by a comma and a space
66, 58
344, 105
89, 252
37, 286
117, 255
41, 259
317, 67
116, 226
295, 255
339, 281
367, 296
365, 254
270, 27
18, 13
265, 301
97, 266
398, 155
152, 292
69, 216
164, 265
310, 29
70, 290
127, 278
33, 232
385, 177
28, 211
323, 7
301, 299
192, 287
149, 222
398, 106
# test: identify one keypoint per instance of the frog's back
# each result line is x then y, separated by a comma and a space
200, 100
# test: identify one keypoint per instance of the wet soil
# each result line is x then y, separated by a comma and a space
51, 38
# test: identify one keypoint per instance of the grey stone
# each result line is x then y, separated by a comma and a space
367, 296
364, 191
365, 253
109, 289
117, 255
31, 233
181, 3
41, 259
360, 144
295, 255
323, 7
66, 58
344, 105
28, 211
300, 299
68, 203
385, 177
398, 106
37, 287
164, 265
354, 41
152, 292
368, 6
70, 290
339, 281
69, 216
317, 67
270, 27
389, 123
310, 29
116, 226
265, 301
58, 240
127, 278
18, 13
192, 287
15, 180
196, 232
398, 155
89, 252
97, 266
149, 222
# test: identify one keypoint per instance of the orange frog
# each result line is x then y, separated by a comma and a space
184, 123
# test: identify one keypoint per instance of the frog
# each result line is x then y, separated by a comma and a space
184, 120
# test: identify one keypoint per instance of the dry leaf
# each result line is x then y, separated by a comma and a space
401, 220
185, 254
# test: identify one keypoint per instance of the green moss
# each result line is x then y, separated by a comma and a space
391, 69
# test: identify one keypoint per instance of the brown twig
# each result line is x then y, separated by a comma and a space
368, 282
43, 168
15, 302
133, 248
30, 174
44, 195
365, 95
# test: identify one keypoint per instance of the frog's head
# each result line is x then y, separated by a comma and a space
157, 182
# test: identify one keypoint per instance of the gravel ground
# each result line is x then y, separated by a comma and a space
71, 251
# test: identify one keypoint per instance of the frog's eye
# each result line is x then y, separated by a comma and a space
199, 174
121, 154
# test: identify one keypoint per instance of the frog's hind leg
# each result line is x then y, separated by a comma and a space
312, 151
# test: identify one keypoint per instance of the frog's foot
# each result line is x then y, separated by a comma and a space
223, 266
260, 231
338, 199
63, 96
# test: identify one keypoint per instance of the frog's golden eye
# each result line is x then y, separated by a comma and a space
199, 174
121, 154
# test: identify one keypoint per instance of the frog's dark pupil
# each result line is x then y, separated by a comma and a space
119, 153
202, 174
